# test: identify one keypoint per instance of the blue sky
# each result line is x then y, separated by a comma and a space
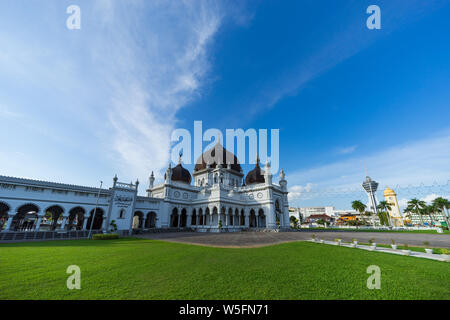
79, 106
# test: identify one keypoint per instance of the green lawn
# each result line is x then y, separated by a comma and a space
147, 269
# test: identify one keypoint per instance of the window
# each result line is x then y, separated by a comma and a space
122, 214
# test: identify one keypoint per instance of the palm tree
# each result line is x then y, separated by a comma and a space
407, 211
442, 205
359, 206
416, 205
385, 207
429, 210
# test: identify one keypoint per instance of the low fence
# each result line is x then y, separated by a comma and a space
49, 235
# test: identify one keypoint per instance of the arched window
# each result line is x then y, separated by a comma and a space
122, 214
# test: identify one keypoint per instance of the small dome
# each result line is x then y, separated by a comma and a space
389, 192
256, 175
209, 158
181, 174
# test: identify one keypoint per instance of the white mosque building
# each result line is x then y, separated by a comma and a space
215, 197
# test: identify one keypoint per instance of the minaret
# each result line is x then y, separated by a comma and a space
267, 173
168, 175
283, 182
371, 186
151, 181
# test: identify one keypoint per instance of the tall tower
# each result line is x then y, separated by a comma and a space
395, 213
371, 186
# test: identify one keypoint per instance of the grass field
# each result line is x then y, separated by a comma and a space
149, 269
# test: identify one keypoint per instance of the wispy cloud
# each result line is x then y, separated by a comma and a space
423, 161
107, 93
344, 44
346, 150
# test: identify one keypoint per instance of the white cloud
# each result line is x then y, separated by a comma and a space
346, 150
109, 92
424, 161
297, 191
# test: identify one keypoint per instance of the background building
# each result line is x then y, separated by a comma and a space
371, 186
395, 214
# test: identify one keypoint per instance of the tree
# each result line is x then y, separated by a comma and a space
321, 222
361, 208
385, 207
407, 211
442, 205
358, 206
416, 205
294, 221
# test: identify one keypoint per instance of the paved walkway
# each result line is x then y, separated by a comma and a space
259, 239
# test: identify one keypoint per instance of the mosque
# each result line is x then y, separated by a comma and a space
216, 197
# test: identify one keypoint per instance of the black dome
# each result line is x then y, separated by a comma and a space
256, 175
209, 157
181, 174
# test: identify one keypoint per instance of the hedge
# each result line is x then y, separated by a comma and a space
105, 236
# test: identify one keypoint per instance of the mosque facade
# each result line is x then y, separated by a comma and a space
217, 196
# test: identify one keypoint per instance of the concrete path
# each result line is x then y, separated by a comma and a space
258, 239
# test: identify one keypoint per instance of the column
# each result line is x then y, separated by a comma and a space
247, 222
143, 223
226, 220
257, 219
204, 219
38, 223
188, 220
85, 220
179, 220
104, 222
8, 224
63, 224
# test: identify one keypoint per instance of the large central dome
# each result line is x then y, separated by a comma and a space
215, 156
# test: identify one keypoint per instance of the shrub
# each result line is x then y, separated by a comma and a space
426, 244
105, 236
392, 241
406, 246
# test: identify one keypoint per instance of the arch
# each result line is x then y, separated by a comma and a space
194, 217
252, 222
230, 216
4, 209
278, 211
150, 222
76, 216
138, 219
236, 217
174, 218
54, 214
200, 217
261, 218
183, 218
98, 219
26, 217
208, 216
